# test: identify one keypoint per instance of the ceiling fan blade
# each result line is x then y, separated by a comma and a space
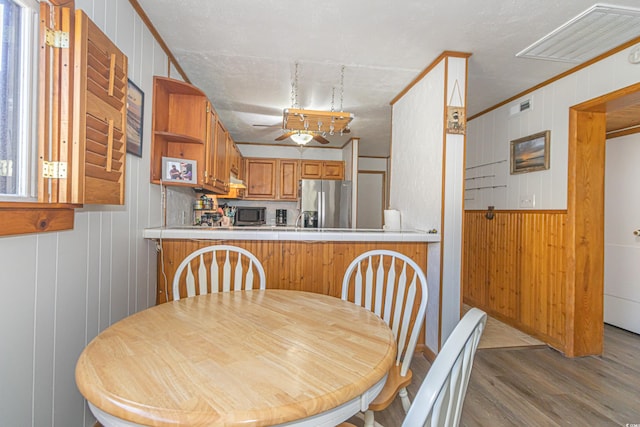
320, 139
284, 136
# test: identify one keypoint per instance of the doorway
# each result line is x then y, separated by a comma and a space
621, 245
590, 123
371, 185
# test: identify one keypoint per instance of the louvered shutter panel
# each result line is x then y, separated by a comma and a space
100, 116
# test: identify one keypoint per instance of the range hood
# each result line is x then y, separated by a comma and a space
234, 182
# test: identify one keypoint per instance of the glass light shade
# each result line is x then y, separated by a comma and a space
301, 138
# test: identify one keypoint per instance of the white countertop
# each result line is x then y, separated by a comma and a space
289, 233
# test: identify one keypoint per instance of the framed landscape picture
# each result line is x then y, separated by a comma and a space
135, 111
530, 153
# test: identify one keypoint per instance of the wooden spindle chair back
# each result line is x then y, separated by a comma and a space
219, 268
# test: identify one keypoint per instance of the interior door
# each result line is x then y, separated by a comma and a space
622, 247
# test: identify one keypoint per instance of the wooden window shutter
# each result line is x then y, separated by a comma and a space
100, 116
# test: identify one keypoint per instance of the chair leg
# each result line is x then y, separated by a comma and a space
404, 397
368, 419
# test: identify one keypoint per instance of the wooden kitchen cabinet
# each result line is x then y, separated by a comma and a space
322, 169
271, 179
260, 178
219, 177
182, 117
277, 179
185, 126
235, 159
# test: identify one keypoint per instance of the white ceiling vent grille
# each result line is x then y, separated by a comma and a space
595, 31
521, 106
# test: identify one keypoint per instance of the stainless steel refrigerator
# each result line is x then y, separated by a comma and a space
325, 203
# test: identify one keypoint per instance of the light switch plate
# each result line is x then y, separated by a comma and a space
528, 201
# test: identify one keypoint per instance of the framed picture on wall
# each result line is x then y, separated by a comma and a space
179, 170
135, 111
530, 153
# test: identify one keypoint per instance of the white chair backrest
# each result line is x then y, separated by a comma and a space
441, 395
213, 271
389, 286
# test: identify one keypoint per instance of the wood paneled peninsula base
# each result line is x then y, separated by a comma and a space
296, 259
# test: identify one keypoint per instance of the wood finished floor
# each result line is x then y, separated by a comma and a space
498, 335
538, 386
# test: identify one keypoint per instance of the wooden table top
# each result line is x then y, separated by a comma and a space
251, 358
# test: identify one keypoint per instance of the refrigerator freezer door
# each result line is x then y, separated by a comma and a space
336, 206
309, 189
330, 199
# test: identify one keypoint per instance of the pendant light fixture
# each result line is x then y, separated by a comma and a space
301, 138
304, 125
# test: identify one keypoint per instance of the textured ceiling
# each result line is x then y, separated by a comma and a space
242, 53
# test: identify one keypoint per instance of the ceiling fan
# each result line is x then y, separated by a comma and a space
302, 135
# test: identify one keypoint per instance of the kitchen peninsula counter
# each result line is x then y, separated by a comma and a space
290, 234
304, 259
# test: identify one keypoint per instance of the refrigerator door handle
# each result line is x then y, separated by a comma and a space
321, 209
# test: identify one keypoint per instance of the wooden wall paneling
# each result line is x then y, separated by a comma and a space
521, 281
475, 256
503, 265
557, 270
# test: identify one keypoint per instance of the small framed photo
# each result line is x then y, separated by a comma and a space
135, 113
530, 153
179, 170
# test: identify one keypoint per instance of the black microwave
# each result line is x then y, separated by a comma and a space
250, 216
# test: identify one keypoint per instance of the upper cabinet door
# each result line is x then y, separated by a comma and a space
333, 169
221, 172
288, 182
100, 116
260, 178
311, 169
322, 169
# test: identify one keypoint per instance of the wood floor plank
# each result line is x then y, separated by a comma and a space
540, 387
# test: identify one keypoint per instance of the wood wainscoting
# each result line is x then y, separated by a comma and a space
514, 268
307, 266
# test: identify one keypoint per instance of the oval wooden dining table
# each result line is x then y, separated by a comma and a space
244, 358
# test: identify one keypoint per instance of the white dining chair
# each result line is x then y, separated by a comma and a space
440, 398
219, 268
390, 284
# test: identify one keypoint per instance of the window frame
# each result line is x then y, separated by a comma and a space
26, 129
54, 99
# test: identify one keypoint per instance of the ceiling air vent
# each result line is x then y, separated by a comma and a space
595, 31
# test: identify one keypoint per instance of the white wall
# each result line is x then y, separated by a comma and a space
453, 205
416, 153
427, 170
372, 164
62, 288
489, 136
416, 175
